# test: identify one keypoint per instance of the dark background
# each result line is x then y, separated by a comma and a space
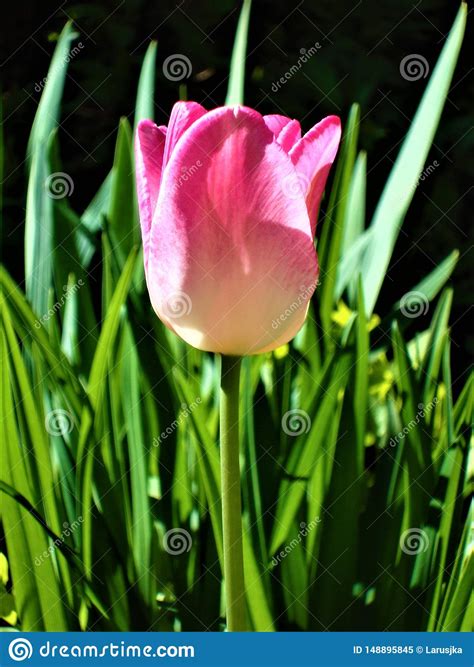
362, 44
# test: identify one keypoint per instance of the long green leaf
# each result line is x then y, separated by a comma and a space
47, 115
144, 105
403, 178
235, 91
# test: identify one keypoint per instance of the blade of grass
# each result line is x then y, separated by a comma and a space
333, 230
47, 114
235, 90
401, 185
144, 105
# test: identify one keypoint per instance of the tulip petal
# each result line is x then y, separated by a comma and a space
286, 131
232, 263
313, 156
149, 148
275, 122
183, 115
289, 135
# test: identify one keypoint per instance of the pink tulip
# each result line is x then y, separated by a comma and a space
228, 206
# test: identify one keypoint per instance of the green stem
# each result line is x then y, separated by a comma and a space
231, 501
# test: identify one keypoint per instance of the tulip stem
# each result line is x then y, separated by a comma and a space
231, 496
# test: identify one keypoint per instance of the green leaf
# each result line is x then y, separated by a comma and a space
96, 387
206, 454
429, 287
361, 388
401, 185
354, 219
24, 502
37, 591
292, 491
109, 331
450, 476
124, 228
438, 336
92, 221
461, 583
417, 447
145, 105
2, 157
235, 90
333, 230
47, 115
353, 227
138, 457
39, 232
259, 609
29, 328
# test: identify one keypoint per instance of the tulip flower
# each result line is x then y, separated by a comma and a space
228, 206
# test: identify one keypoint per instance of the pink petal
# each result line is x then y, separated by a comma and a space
313, 156
289, 135
232, 263
287, 132
149, 147
183, 115
276, 123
